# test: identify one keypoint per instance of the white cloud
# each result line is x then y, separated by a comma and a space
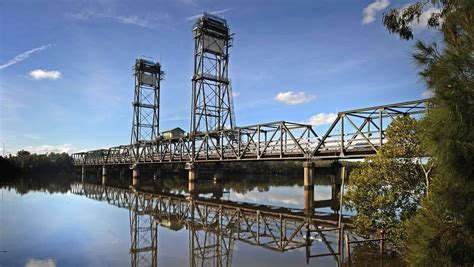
322, 119
133, 20
23, 56
427, 94
41, 263
422, 21
215, 12
42, 149
269, 197
371, 10
235, 94
141, 21
45, 74
293, 98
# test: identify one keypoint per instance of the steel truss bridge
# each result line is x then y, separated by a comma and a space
353, 134
215, 224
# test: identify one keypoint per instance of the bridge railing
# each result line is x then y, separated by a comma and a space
354, 133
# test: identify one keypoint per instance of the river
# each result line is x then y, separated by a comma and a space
253, 220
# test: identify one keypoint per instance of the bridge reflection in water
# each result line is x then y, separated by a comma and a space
214, 225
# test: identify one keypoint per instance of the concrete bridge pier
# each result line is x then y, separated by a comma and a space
308, 167
309, 200
308, 174
192, 172
83, 173
191, 187
104, 174
135, 175
339, 175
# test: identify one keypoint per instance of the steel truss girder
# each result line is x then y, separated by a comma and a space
353, 134
361, 132
279, 229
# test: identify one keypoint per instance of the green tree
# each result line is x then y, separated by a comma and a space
387, 188
442, 233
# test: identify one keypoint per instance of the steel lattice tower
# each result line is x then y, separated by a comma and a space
146, 101
143, 236
212, 104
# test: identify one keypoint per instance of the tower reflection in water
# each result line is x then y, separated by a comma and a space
214, 225
143, 234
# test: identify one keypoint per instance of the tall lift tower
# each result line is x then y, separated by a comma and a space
212, 105
146, 101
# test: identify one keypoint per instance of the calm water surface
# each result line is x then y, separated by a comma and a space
254, 222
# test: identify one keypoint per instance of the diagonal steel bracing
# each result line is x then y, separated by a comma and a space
214, 225
353, 134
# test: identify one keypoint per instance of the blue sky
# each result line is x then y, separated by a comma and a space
66, 66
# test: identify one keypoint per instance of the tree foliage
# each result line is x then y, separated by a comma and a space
387, 189
400, 21
26, 162
442, 233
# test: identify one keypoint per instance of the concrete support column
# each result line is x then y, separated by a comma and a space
339, 175
191, 187
340, 172
308, 188
308, 174
135, 175
104, 175
83, 173
309, 200
104, 170
192, 172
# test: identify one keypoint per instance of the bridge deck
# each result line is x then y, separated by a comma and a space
353, 134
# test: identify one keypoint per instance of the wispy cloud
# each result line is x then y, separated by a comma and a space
32, 136
293, 98
322, 119
141, 21
45, 74
23, 56
371, 10
235, 94
215, 12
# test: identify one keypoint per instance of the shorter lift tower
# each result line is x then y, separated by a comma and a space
146, 102
212, 105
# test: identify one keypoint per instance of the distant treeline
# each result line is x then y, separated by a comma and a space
26, 163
